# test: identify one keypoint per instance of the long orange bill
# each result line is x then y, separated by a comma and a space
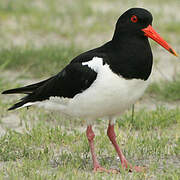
151, 33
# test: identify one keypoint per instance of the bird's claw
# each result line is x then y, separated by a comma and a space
101, 169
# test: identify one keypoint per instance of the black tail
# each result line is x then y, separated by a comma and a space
17, 105
24, 90
27, 89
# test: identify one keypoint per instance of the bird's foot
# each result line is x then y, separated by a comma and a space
138, 169
101, 169
130, 168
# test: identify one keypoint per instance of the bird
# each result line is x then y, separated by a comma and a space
102, 82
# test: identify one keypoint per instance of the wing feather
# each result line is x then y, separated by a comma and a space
72, 80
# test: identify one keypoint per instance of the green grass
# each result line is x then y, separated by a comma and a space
147, 120
48, 151
38, 61
165, 90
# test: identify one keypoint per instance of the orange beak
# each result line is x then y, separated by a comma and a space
151, 33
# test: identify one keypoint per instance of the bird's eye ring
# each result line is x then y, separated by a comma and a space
134, 19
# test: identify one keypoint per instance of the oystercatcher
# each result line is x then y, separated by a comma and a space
102, 82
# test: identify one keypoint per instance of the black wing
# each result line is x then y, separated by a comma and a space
72, 80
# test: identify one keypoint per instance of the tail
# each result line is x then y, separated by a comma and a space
20, 104
25, 101
27, 89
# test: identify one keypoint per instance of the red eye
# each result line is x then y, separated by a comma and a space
134, 19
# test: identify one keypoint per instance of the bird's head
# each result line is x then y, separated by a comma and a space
137, 22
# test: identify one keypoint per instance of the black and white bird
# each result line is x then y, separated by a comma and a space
102, 82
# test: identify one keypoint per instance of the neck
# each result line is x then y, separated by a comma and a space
131, 56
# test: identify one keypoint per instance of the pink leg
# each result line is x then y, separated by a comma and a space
125, 164
90, 135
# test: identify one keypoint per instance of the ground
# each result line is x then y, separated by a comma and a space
38, 38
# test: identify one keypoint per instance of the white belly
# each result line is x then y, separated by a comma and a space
110, 95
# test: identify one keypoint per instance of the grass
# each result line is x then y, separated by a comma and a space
48, 151
35, 60
38, 38
158, 119
165, 90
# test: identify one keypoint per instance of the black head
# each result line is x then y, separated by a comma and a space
133, 21
136, 23
131, 54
